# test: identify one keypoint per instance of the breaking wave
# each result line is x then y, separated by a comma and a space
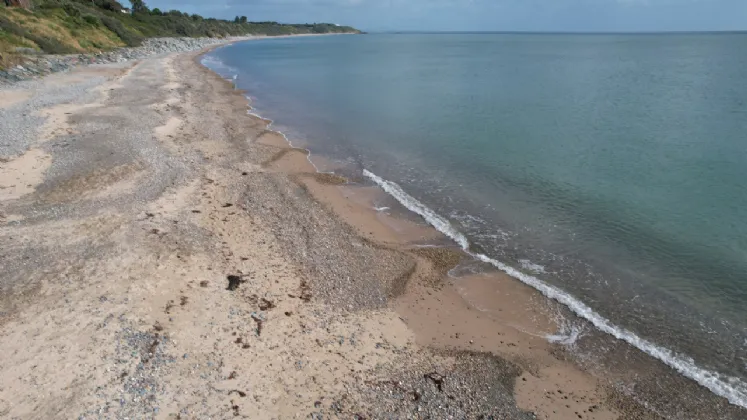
733, 389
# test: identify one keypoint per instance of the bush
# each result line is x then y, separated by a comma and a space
91, 20
111, 5
50, 4
71, 10
182, 29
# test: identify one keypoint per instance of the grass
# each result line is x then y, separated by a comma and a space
53, 32
74, 26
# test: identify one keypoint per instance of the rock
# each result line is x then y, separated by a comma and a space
44, 64
27, 51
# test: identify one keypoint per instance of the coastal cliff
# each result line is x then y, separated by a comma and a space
100, 27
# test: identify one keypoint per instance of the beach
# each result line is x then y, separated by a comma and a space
166, 254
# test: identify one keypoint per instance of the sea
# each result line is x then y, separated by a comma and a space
607, 171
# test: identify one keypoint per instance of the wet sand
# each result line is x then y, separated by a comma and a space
175, 258
493, 313
488, 312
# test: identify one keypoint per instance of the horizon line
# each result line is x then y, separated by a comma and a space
684, 32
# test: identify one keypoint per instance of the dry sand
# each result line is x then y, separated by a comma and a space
19, 176
9, 98
167, 256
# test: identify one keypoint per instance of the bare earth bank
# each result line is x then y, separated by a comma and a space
166, 256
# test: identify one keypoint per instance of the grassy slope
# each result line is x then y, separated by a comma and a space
71, 26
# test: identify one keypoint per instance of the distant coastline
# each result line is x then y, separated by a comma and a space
555, 33
73, 27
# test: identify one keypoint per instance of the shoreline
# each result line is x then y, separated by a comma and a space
169, 256
512, 336
501, 274
174, 274
39, 66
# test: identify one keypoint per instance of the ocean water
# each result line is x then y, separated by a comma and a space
607, 171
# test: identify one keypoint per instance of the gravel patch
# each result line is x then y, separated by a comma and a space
476, 386
19, 124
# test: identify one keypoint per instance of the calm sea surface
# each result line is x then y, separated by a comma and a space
611, 169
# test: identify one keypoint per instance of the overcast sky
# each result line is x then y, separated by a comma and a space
485, 15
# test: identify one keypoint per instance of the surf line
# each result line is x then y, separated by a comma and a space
733, 389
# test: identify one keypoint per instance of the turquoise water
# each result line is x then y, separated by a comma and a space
611, 169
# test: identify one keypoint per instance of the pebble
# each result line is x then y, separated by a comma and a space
40, 65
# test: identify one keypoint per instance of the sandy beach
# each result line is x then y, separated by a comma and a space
166, 255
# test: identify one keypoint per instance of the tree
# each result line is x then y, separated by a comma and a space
138, 6
156, 12
236, 19
243, 19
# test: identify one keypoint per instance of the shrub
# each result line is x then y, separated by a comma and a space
50, 5
182, 29
71, 10
91, 20
111, 5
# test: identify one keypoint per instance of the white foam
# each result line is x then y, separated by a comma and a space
731, 388
214, 63
530, 266
568, 334
217, 65
290, 143
416, 206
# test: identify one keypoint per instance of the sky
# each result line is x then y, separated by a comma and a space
484, 15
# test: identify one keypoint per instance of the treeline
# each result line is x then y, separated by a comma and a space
154, 22
64, 26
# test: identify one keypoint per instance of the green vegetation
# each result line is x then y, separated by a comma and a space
72, 26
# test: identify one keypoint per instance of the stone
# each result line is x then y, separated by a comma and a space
43, 64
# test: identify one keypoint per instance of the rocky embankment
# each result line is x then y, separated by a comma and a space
40, 65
